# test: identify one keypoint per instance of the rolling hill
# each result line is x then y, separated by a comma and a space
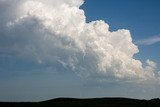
93, 102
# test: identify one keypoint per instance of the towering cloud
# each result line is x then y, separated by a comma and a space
55, 33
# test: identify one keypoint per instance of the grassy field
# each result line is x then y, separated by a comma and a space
95, 102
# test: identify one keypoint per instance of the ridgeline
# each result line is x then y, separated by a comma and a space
93, 102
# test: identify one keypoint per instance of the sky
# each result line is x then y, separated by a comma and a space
82, 49
141, 17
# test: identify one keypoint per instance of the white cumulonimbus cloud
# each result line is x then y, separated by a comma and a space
55, 32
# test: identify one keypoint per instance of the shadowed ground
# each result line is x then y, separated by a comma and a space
95, 102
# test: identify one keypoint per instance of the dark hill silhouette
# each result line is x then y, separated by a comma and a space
93, 102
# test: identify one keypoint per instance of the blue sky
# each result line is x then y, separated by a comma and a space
45, 49
141, 17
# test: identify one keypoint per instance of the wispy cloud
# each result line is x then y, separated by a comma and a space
149, 41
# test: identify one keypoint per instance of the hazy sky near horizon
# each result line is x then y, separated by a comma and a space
76, 48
